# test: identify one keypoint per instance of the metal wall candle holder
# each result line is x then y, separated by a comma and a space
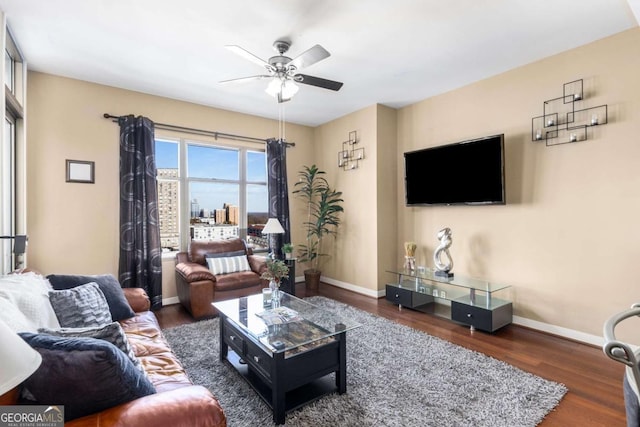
561, 122
350, 156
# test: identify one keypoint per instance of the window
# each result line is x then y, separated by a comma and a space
168, 194
12, 160
7, 190
9, 67
210, 192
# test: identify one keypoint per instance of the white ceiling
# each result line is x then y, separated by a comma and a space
389, 52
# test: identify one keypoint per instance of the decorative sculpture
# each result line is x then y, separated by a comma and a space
443, 269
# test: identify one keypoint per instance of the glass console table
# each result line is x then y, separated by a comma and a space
472, 300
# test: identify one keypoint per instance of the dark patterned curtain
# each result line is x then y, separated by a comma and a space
140, 251
278, 190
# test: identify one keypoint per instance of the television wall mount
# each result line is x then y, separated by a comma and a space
564, 120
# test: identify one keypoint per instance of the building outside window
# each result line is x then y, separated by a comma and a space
210, 192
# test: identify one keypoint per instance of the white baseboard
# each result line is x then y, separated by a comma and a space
522, 321
353, 288
170, 301
560, 331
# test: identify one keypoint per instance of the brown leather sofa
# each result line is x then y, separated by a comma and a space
198, 287
177, 401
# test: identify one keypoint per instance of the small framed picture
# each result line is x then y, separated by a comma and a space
81, 171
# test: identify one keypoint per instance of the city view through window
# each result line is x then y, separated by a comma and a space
220, 184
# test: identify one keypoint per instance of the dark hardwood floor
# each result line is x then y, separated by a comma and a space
594, 381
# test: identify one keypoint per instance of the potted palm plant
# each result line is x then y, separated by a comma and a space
323, 219
287, 250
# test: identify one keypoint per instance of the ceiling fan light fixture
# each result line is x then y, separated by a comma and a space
273, 88
289, 88
282, 89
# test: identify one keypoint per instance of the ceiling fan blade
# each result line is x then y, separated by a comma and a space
249, 56
317, 81
309, 57
246, 79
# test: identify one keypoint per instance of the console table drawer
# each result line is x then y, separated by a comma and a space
407, 297
399, 296
482, 318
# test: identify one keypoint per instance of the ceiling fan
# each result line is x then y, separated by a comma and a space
283, 71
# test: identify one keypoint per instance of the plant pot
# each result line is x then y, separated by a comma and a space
288, 255
312, 279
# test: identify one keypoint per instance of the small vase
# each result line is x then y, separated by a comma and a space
410, 263
275, 290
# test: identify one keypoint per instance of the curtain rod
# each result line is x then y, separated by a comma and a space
195, 131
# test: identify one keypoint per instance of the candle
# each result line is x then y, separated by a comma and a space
573, 137
538, 135
551, 122
577, 97
594, 119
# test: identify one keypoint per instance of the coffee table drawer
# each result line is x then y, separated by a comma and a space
258, 359
234, 338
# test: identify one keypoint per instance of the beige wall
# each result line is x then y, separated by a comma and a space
567, 239
73, 228
386, 191
354, 250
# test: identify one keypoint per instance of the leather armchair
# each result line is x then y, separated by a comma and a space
198, 287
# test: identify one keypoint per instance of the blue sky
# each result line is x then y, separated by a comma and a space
213, 162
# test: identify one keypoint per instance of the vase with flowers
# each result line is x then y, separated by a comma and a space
275, 270
410, 255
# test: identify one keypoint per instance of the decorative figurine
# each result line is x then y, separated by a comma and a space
443, 269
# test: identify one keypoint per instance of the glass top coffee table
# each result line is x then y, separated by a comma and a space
285, 349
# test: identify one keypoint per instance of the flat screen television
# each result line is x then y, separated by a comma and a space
465, 173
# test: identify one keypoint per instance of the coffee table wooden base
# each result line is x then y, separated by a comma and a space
285, 384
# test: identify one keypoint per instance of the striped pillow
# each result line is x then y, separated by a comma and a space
81, 307
229, 264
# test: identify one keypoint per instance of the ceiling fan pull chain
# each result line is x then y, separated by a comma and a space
281, 123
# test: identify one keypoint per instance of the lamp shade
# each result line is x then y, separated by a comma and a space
18, 359
273, 227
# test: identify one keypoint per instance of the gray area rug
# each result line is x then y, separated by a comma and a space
396, 376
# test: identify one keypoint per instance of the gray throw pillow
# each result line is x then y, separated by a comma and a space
109, 285
112, 333
80, 307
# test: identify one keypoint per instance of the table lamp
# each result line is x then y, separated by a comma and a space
18, 361
272, 227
